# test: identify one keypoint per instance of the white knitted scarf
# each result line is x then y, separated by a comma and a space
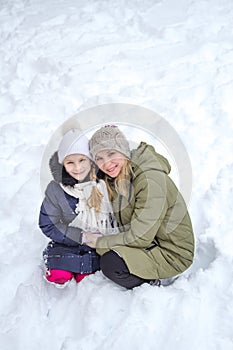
87, 219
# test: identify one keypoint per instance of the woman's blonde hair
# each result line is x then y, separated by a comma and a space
122, 181
121, 185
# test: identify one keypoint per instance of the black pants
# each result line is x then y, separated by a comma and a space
114, 267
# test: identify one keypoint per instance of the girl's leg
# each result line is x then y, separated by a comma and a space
114, 267
80, 276
59, 276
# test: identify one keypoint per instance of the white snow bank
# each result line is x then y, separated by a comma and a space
59, 57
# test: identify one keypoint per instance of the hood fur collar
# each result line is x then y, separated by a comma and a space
55, 168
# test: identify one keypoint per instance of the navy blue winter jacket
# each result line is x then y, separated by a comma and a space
57, 211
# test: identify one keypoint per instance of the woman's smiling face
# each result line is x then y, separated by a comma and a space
78, 166
110, 162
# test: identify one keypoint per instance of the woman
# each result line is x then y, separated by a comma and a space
156, 240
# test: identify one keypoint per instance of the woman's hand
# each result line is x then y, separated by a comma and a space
90, 238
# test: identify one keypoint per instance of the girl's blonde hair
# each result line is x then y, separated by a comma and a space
95, 199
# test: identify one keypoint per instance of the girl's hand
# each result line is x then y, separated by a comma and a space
90, 238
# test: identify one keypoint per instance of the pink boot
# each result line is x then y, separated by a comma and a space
80, 276
59, 276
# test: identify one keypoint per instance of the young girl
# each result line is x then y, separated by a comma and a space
75, 202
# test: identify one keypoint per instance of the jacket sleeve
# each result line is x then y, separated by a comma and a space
51, 214
148, 214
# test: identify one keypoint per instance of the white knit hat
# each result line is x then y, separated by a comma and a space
73, 142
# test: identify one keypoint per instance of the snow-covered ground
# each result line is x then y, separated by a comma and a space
61, 57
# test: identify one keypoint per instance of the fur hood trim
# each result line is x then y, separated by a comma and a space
55, 168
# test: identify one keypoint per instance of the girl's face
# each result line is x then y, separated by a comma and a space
110, 162
78, 166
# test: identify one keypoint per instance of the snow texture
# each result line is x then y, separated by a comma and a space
61, 57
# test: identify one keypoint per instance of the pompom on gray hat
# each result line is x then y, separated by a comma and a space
109, 137
73, 142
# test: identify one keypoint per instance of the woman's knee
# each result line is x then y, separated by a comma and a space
114, 267
110, 263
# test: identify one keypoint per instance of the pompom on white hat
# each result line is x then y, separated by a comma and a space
73, 142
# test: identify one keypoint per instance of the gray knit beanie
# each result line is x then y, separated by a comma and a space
109, 137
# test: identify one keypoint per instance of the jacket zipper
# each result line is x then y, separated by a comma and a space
120, 218
120, 204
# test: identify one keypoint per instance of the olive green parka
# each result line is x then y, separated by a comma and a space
156, 237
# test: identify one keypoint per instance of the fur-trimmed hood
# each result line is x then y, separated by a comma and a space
55, 168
